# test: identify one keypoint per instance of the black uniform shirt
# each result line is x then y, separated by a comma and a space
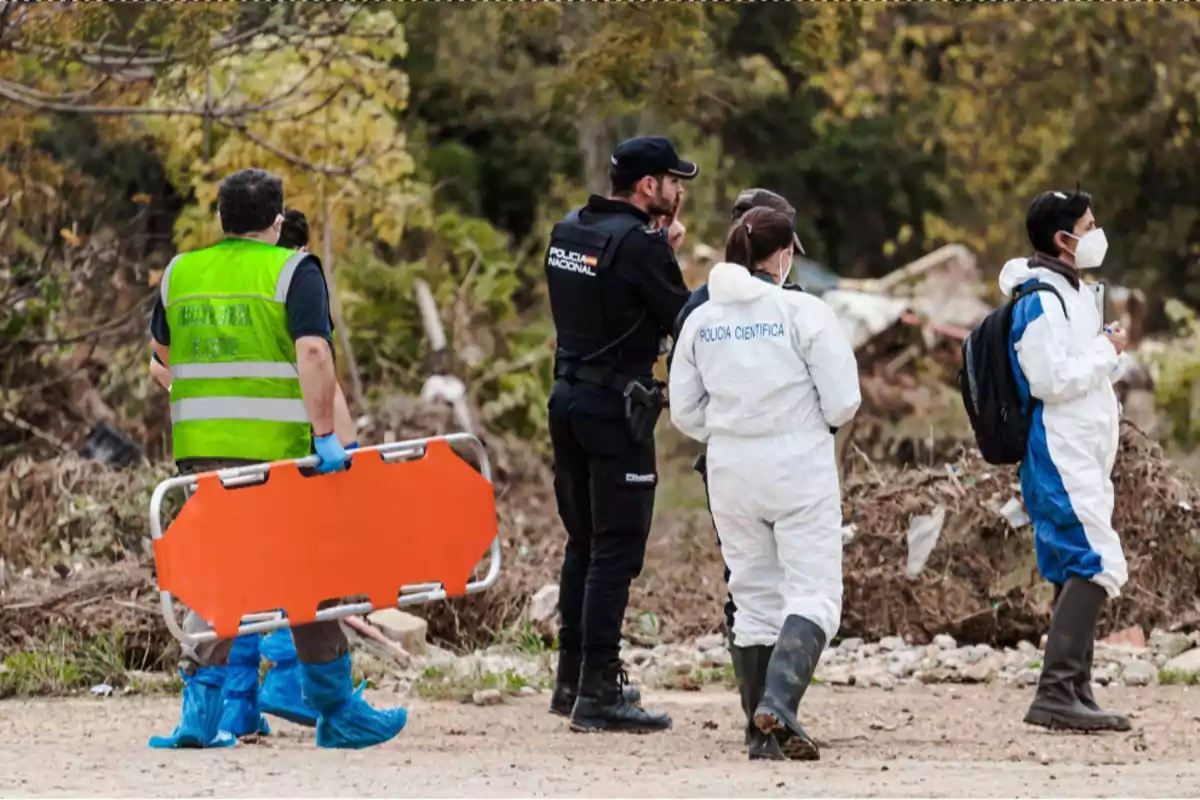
648, 279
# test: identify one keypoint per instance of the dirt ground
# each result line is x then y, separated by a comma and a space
939, 741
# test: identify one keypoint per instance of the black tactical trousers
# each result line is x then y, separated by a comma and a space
701, 466
604, 482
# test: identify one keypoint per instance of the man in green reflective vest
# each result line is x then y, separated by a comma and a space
243, 327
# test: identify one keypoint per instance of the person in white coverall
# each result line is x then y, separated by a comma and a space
1065, 361
764, 376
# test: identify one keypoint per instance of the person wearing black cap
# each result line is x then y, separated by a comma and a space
615, 291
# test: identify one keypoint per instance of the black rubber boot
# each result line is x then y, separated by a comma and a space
603, 705
1059, 703
1083, 682
566, 687
750, 667
797, 651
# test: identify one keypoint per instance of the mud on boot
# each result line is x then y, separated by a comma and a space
750, 667
789, 673
1059, 703
566, 686
345, 719
603, 705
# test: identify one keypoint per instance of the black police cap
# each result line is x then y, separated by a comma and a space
754, 198
651, 155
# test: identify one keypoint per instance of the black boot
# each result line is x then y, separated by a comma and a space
604, 705
566, 686
1083, 682
750, 667
789, 674
1059, 703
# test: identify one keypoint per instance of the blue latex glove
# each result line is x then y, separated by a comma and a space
332, 454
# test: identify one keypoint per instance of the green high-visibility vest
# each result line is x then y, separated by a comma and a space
235, 387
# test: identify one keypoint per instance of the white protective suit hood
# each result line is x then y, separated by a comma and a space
733, 283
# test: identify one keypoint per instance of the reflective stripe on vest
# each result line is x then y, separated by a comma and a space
264, 409
235, 387
236, 369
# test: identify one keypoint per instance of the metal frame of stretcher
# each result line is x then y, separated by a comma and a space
250, 475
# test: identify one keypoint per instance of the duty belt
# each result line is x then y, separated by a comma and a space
606, 377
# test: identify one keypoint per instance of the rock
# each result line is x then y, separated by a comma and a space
1015, 659
1138, 673
945, 641
439, 657
1185, 664
976, 652
715, 658
487, 697
714, 641
399, 626
1028, 648
1160, 660
639, 657
527, 691
890, 643
1133, 637
851, 645
544, 603
869, 650
840, 678
1028, 677
982, 671
1169, 644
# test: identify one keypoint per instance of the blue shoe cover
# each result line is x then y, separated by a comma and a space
240, 715
199, 721
280, 694
346, 719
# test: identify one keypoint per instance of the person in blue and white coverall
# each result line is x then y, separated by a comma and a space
1065, 360
764, 376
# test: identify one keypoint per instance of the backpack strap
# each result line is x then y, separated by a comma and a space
1029, 287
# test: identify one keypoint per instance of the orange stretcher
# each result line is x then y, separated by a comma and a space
407, 523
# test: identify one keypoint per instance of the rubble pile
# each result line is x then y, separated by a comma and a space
948, 549
929, 550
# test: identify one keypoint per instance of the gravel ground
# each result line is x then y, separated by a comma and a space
914, 740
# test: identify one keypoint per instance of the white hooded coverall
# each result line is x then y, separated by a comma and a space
1067, 367
761, 374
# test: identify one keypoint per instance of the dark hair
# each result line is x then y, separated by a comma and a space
249, 200
294, 233
758, 233
623, 184
1051, 212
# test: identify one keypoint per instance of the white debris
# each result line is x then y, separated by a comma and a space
923, 532
544, 603
1014, 512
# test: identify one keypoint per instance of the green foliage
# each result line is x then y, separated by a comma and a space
66, 663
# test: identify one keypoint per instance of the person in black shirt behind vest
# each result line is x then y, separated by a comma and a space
615, 291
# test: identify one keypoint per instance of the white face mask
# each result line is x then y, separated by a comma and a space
1091, 249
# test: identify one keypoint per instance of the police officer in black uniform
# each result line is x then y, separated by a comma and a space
615, 291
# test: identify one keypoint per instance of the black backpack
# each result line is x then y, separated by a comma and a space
989, 385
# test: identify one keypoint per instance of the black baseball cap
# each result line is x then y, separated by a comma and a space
753, 198
650, 155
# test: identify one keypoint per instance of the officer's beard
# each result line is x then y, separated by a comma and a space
659, 206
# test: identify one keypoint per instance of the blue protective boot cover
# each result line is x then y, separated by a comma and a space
346, 719
200, 719
281, 695
241, 715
